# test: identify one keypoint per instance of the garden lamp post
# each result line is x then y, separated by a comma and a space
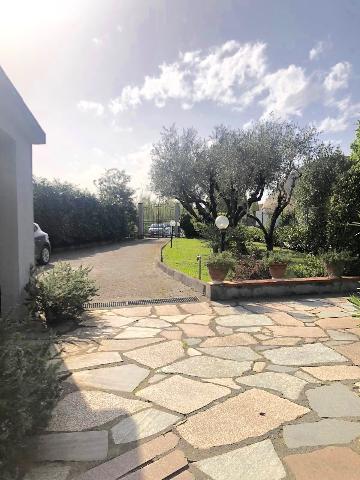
222, 224
172, 225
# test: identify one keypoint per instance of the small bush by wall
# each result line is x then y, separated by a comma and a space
59, 295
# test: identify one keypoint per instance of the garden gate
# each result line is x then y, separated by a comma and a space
157, 213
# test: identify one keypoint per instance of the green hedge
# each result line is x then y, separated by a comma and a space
72, 216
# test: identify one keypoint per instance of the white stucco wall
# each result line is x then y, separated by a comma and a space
16, 218
18, 132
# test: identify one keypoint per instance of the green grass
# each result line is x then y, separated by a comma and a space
182, 256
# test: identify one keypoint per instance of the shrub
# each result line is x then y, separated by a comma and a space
310, 266
254, 234
29, 391
59, 294
234, 239
294, 237
336, 256
249, 267
355, 300
187, 225
224, 259
276, 258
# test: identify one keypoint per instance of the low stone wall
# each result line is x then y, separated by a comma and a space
283, 287
266, 288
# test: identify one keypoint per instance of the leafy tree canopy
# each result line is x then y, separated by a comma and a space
229, 171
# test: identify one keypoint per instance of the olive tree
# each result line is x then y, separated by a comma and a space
288, 148
231, 170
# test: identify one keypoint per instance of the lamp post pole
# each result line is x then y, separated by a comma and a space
222, 224
172, 225
223, 234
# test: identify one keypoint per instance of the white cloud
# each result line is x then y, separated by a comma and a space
236, 75
317, 50
137, 165
338, 76
347, 113
215, 75
97, 41
288, 91
333, 124
120, 128
88, 106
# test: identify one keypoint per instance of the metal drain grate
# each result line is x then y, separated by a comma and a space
151, 301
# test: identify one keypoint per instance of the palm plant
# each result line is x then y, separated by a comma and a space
355, 300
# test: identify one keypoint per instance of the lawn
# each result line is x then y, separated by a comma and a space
182, 256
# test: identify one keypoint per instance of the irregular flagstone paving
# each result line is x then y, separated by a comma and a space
247, 415
305, 355
255, 462
141, 425
324, 432
87, 409
289, 386
334, 400
231, 353
158, 355
182, 394
208, 390
208, 367
330, 463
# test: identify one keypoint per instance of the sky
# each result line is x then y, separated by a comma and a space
103, 77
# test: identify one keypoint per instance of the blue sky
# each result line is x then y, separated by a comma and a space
103, 76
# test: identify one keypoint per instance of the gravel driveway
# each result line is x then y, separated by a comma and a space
127, 270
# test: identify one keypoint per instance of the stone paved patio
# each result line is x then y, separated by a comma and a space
250, 391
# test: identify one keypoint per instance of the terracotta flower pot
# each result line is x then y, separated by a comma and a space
335, 269
218, 274
277, 270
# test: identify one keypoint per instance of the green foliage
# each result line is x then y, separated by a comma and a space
187, 225
335, 256
310, 266
249, 267
314, 197
221, 260
273, 258
72, 216
355, 300
355, 146
235, 238
294, 237
254, 234
343, 211
230, 171
29, 391
59, 294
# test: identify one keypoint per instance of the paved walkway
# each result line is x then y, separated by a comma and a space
123, 270
255, 391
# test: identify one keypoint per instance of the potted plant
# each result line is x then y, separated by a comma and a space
335, 261
219, 265
277, 263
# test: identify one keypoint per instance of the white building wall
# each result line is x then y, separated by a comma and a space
19, 130
16, 219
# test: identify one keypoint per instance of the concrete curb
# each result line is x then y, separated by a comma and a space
198, 285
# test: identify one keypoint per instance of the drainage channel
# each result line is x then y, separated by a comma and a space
129, 303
